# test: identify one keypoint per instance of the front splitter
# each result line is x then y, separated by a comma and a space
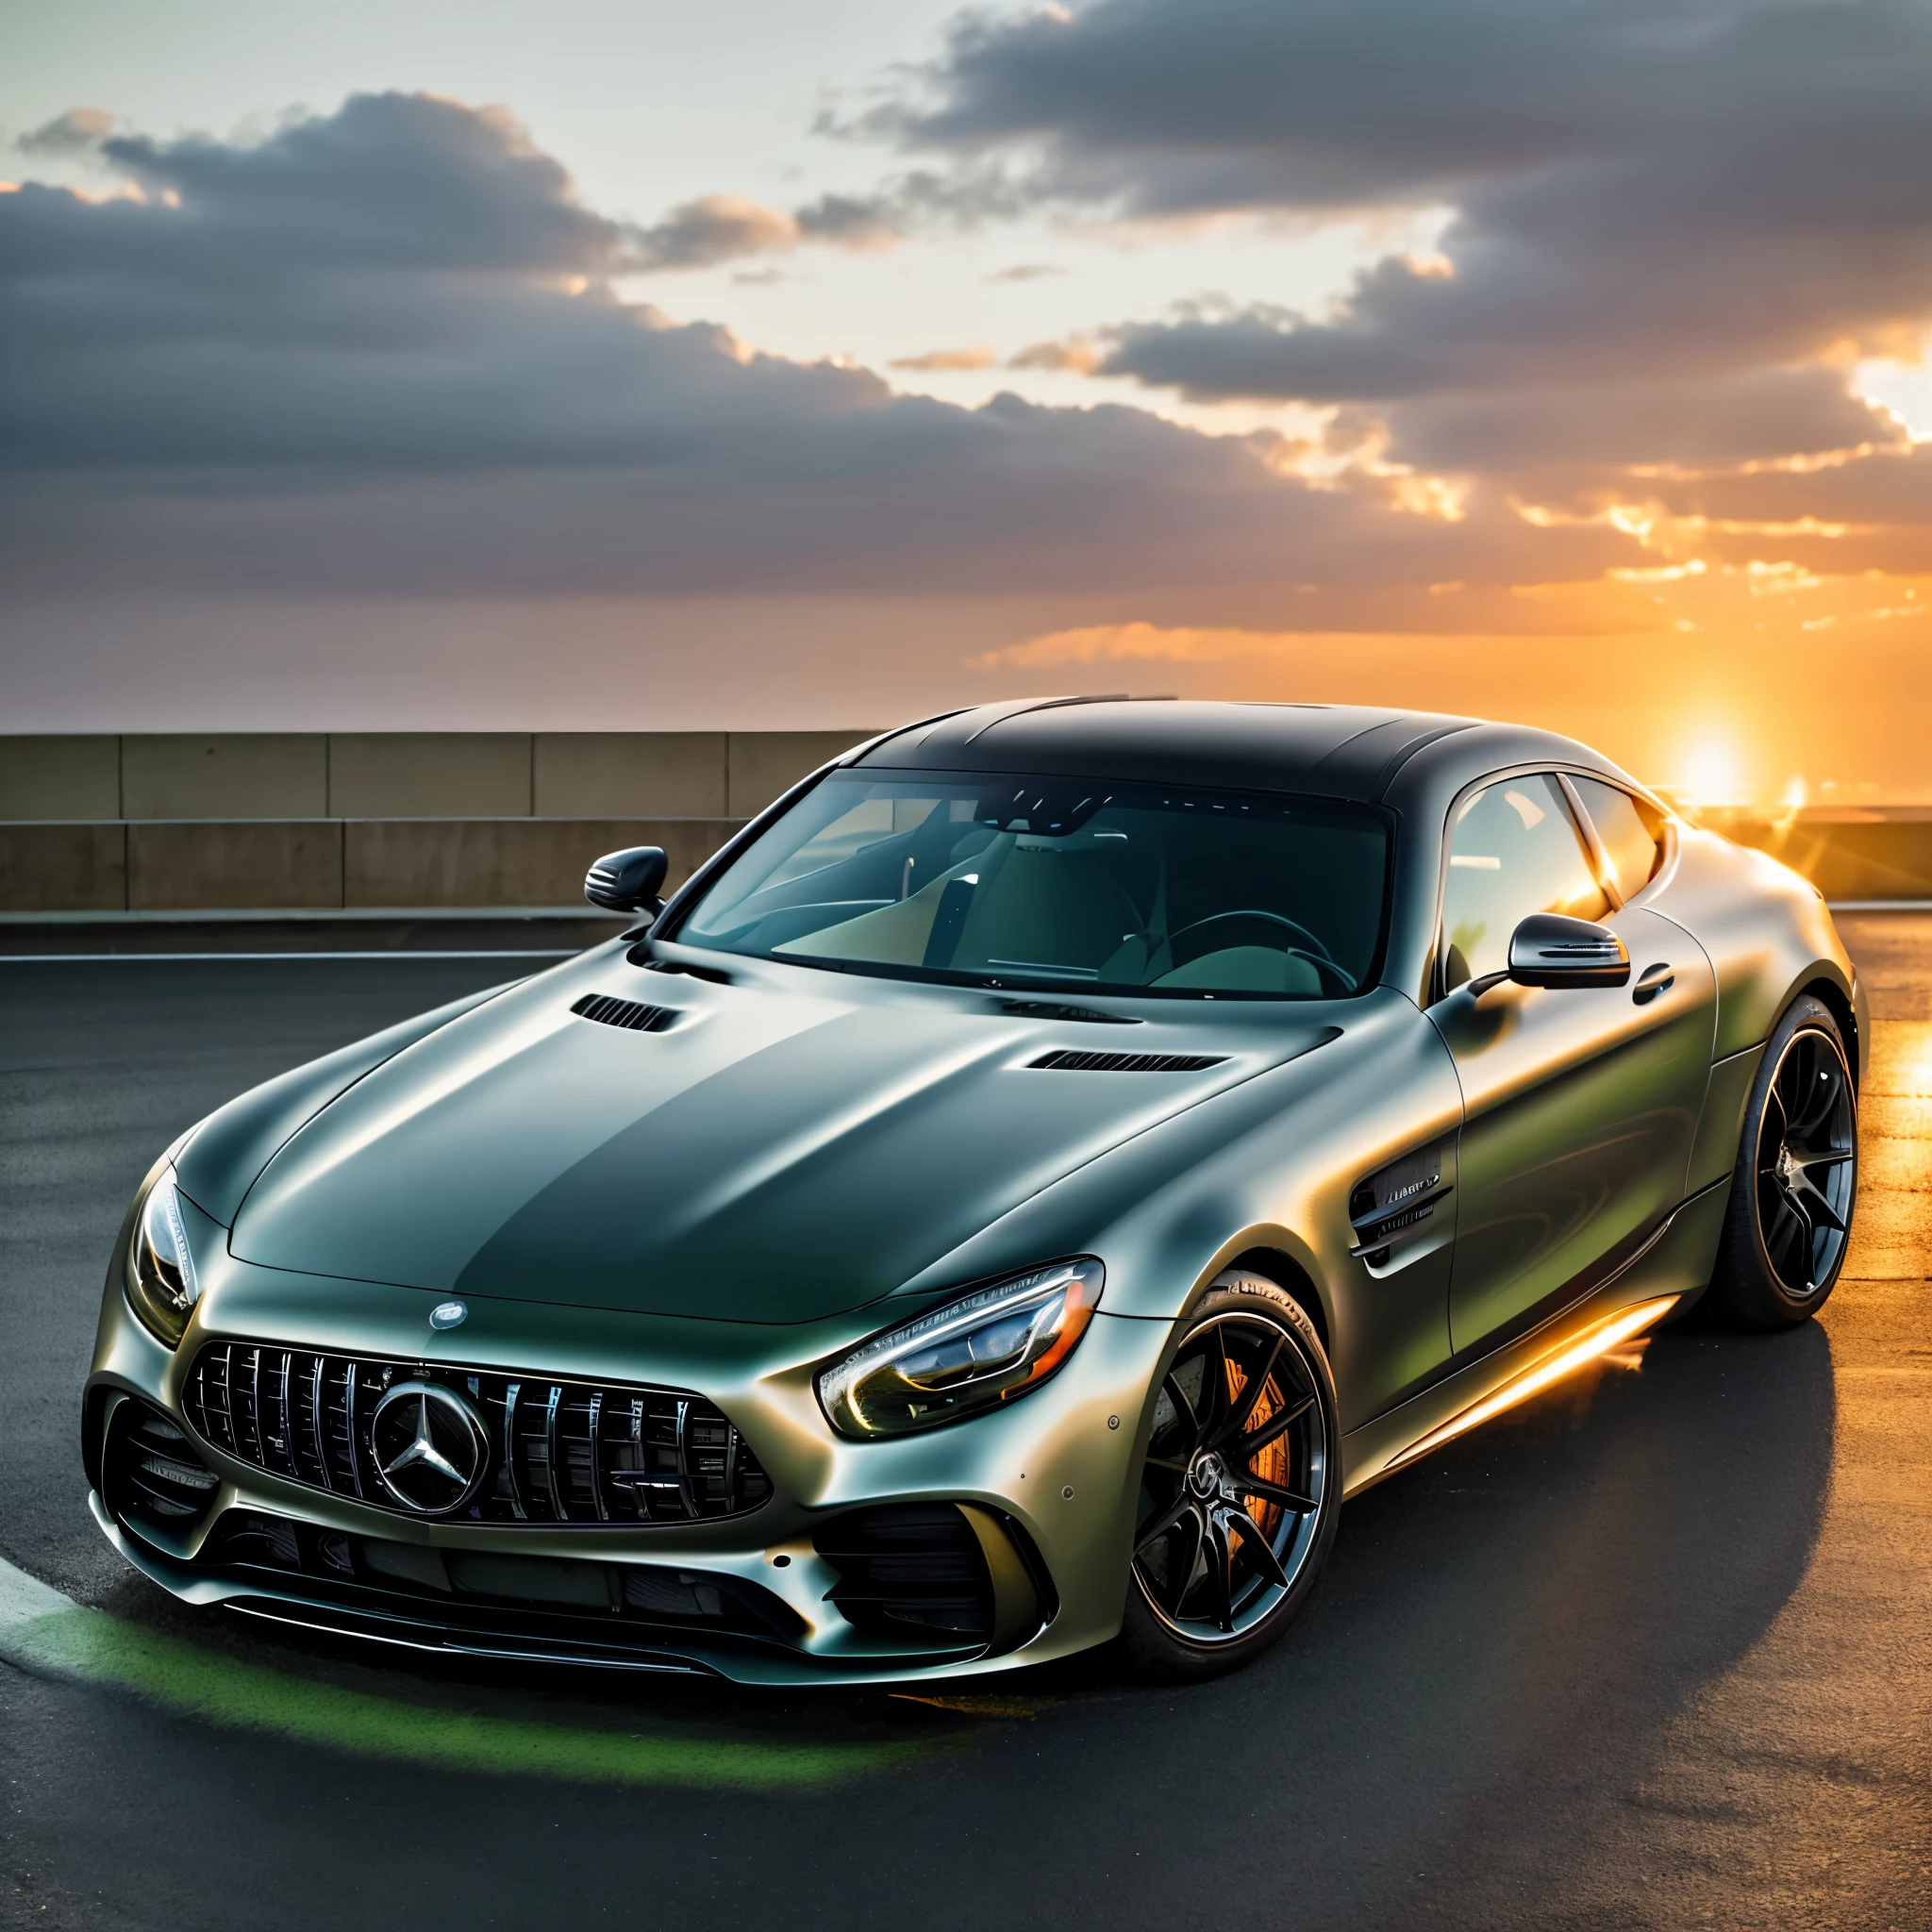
745, 1661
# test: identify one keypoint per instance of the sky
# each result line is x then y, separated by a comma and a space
639, 366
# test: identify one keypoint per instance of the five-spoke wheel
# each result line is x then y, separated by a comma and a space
1789, 1220
1239, 1483
1806, 1163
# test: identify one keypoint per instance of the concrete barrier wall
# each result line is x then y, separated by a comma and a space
441, 775
298, 864
55, 868
156, 824
161, 822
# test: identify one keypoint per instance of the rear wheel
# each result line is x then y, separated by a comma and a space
1789, 1220
1239, 1489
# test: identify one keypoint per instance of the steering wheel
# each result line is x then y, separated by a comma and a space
1315, 953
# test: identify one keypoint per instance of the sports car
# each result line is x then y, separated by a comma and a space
1003, 1202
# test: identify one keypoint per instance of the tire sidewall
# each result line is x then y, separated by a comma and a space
1150, 1642
1752, 1290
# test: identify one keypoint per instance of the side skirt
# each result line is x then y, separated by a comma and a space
1675, 1265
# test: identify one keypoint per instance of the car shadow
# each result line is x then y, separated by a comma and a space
1480, 1685
1454, 1725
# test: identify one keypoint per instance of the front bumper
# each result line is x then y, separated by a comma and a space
1035, 1502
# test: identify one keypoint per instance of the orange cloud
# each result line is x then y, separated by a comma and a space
947, 358
1077, 355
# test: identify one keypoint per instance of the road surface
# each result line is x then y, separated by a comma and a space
1655, 1652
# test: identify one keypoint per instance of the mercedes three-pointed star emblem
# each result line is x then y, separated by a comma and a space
432, 1451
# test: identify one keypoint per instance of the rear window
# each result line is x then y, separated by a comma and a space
1631, 832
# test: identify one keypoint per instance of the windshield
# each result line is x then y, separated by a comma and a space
1059, 882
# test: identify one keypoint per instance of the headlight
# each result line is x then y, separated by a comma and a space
974, 1354
162, 1287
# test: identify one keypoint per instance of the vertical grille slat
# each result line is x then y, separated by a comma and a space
596, 1472
513, 1463
349, 1428
285, 1431
550, 1476
248, 1419
564, 1452
317, 1446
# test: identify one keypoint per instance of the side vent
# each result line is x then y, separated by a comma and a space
1388, 1206
610, 1012
1069, 1060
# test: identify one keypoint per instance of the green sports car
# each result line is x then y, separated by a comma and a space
1004, 1201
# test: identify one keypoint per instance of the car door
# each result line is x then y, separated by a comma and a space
1579, 1104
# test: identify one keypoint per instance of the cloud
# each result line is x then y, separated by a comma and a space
1077, 355
715, 228
384, 350
1025, 271
981, 358
77, 131
1117, 644
1642, 196
862, 225
1690, 423
718, 229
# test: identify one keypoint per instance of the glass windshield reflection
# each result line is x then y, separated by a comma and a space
1060, 882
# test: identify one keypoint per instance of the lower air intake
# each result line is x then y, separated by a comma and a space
150, 1473
909, 1568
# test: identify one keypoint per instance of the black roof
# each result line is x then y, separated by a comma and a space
1336, 751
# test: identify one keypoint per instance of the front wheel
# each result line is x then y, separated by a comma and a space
1240, 1487
1789, 1220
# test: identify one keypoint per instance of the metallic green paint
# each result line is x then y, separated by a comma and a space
803, 1158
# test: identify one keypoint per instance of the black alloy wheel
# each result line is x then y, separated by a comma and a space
1240, 1487
1807, 1163
1789, 1220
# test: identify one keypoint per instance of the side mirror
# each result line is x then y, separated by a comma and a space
1550, 950
628, 881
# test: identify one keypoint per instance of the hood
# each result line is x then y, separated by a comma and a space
767, 1156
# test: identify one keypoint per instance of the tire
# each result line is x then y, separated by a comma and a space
1789, 1220
1240, 1487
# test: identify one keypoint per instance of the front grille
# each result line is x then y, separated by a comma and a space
560, 1452
909, 1567
150, 1473
1070, 1060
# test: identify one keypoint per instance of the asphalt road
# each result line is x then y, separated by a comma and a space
1655, 1652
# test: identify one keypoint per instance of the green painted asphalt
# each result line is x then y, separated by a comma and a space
96, 1648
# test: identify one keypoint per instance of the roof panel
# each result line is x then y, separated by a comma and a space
1340, 751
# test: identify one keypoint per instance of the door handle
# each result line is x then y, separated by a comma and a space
1652, 981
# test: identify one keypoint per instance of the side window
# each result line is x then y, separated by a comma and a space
1631, 831
1513, 850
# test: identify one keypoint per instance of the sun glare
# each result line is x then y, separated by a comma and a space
1710, 776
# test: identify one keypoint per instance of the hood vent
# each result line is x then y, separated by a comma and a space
1066, 1061
610, 1012
1052, 1009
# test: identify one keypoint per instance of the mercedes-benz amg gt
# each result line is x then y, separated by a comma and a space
1005, 1202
